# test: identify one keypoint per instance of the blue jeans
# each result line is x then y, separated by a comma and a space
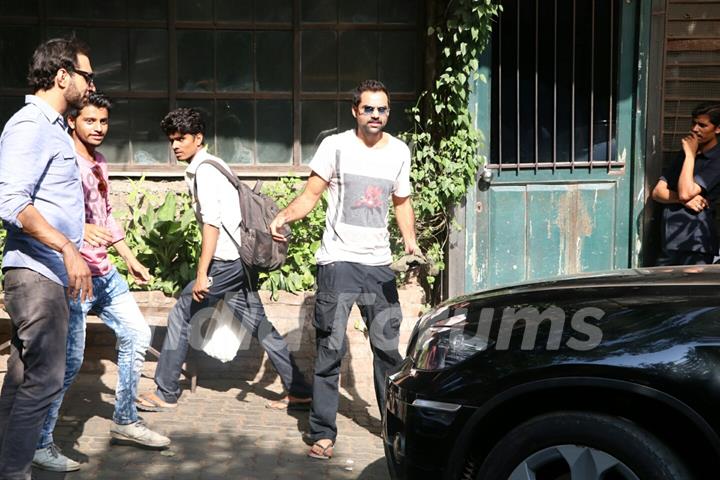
115, 305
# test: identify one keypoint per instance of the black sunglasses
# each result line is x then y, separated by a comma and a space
88, 76
369, 110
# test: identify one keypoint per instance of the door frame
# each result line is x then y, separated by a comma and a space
466, 243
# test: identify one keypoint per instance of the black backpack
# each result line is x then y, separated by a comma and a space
257, 248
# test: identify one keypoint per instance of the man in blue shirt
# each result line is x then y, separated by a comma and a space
42, 208
688, 189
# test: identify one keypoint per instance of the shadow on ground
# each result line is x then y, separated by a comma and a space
221, 456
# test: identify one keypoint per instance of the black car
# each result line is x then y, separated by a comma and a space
604, 376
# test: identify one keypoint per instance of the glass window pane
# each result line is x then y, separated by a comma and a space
359, 12
87, 9
346, 120
26, 8
274, 131
358, 58
109, 57
234, 10
144, 10
194, 10
195, 60
234, 61
207, 112
148, 60
149, 144
274, 61
273, 11
398, 61
401, 11
319, 11
236, 131
319, 119
17, 44
116, 146
8, 107
319, 61
399, 120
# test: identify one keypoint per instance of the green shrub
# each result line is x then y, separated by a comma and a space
164, 236
298, 273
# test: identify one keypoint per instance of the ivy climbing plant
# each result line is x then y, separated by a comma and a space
444, 140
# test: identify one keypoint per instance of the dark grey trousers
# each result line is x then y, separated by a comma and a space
677, 257
186, 318
38, 309
340, 286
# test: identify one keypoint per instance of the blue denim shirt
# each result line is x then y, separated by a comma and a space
38, 166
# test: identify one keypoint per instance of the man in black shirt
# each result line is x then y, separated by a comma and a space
688, 189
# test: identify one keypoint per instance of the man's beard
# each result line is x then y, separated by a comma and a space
74, 98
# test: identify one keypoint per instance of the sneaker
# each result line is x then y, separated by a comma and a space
138, 433
50, 458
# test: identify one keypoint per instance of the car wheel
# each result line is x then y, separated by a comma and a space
581, 446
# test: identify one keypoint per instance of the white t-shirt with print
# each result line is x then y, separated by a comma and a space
362, 182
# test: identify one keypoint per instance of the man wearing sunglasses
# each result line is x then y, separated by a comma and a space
41, 205
112, 299
363, 170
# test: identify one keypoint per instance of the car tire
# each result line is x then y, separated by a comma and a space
561, 437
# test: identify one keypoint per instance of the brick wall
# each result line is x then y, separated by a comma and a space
292, 317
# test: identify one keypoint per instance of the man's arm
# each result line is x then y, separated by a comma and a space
662, 194
300, 207
405, 217
210, 236
79, 277
687, 188
136, 269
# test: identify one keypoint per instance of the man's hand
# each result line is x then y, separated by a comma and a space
278, 229
79, 278
697, 204
139, 272
97, 236
411, 247
690, 144
201, 287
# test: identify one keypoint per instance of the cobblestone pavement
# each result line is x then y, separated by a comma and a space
222, 431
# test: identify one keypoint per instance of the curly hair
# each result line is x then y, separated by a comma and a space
50, 57
96, 99
368, 86
183, 121
711, 109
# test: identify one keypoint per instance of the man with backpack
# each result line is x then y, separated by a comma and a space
363, 170
221, 273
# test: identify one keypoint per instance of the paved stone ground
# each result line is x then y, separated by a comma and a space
222, 431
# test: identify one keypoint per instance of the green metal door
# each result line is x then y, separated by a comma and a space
560, 105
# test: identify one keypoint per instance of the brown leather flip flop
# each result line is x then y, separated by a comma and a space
325, 453
286, 404
150, 402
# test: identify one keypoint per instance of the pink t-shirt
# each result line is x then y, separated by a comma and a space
97, 211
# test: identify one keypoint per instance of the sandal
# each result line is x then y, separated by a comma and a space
150, 402
290, 403
325, 453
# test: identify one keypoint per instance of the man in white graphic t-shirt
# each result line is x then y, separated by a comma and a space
363, 169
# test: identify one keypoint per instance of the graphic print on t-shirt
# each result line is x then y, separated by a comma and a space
365, 200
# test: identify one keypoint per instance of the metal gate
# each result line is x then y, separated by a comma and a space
559, 106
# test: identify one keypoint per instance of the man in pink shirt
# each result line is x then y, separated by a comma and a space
111, 299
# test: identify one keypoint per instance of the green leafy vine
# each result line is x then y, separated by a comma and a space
445, 142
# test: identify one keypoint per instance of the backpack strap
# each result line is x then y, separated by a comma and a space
235, 183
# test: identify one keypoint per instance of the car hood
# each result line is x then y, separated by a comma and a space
674, 275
